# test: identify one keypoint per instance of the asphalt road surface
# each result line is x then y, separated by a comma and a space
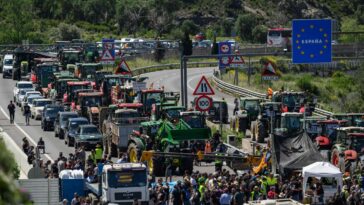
170, 79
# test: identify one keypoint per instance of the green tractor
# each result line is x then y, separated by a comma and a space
261, 127
350, 142
247, 113
293, 101
354, 119
171, 137
219, 109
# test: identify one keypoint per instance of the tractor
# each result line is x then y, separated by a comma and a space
327, 135
69, 56
43, 75
88, 106
349, 142
293, 101
247, 113
176, 137
261, 127
72, 87
99, 76
87, 71
108, 81
149, 97
354, 119
214, 114
312, 127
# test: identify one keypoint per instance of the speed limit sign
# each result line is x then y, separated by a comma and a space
203, 103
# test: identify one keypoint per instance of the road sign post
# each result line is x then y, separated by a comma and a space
224, 62
203, 103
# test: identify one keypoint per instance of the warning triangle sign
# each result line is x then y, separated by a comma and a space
106, 56
269, 69
237, 60
203, 87
123, 68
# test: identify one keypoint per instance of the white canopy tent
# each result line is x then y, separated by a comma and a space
321, 169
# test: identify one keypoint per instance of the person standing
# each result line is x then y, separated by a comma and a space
11, 108
27, 113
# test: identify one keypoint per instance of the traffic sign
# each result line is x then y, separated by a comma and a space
311, 41
224, 48
123, 68
203, 87
269, 72
108, 51
203, 103
236, 61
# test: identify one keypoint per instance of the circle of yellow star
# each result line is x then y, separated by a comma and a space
298, 47
312, 56
312, 26
321, 29
297, 41
303, 30
298, 35
321, 52
325, 46
302, 52
325, 35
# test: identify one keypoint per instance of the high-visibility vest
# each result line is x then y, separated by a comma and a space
271, 181
98, 153
207, 148
263, 188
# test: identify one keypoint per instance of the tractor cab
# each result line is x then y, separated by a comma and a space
60, 86
99, 76
194, 119
312, 127
290, 124
68, 96
70, 56
350, 142
88, 105
76, 95
327, 136
108, 82
165, 111
292, 101
44, 74
354, 119
218, 112
150, 97
87, 71
247, 113
36, 71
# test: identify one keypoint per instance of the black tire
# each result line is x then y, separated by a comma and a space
261, 132
159, 167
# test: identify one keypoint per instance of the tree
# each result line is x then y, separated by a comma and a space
244, 26
68, 32
260, 34
189, 27
360, 14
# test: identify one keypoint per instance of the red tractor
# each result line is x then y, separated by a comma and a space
72, 87
89, 106
327, 130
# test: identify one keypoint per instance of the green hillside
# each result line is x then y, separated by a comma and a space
43, 21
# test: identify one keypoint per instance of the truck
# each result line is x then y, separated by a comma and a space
121, 184
116, 128
247, 113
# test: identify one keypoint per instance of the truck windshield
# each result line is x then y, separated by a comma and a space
25, 85
8, 62
89, 130
129, 178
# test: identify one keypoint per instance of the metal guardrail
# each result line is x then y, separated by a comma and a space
153, 68
236, 90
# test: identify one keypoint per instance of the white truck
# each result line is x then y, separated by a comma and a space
121, 184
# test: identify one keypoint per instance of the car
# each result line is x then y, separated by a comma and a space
29, 100
60, 123
88, 136
19, 97
21, 85
27, 94
8, 65
49, 115
71, 129
37, 108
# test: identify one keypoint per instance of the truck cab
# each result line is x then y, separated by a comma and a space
121, 184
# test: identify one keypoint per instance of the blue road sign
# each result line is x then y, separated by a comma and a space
108, 51
311, 41
224, 48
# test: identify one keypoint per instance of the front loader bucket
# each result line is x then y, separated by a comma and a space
191, 134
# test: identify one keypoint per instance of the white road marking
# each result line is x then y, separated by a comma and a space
25, 134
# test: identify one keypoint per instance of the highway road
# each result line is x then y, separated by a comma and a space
170, 79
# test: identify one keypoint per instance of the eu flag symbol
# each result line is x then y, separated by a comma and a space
311, 41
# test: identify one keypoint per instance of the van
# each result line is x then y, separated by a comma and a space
8, 65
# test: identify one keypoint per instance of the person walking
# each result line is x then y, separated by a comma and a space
27, 113
11, 108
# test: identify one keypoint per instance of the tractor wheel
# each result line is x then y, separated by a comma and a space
133, 153
335, 157
186, 165
261, 132
252, 131
159, 167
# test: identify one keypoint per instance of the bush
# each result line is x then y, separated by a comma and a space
244, 26
305, 84
68, 32
260, 34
